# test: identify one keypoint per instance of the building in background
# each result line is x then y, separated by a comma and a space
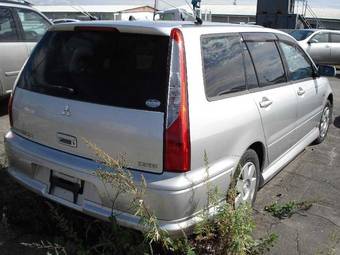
103, 12
231, 13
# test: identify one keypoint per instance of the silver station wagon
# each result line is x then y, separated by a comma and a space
165, 94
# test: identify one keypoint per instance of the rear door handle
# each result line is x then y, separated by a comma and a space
301, 91
265, 102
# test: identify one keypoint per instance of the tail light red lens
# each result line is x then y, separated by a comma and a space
177, 134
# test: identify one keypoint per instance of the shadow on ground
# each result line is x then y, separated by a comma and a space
337, 122
3, 106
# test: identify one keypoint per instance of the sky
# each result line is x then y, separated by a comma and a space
167, 3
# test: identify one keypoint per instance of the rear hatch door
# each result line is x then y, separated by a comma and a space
101, 87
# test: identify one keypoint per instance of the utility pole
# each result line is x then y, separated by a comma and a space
155, 6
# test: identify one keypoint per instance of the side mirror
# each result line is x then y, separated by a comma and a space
312, 41
328, 71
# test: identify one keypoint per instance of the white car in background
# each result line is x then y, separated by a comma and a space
322, 45
21, 27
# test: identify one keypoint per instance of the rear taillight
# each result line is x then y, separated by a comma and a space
177, 132
10, 105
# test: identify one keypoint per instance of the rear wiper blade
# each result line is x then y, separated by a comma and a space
61, 88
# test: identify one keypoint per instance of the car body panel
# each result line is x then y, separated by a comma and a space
125, 133
12, 57
278, 119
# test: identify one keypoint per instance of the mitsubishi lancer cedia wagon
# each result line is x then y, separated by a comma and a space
163, 94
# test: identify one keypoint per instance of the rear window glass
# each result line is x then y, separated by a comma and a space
7, 27
110, 68
300, 35
335, 38
223, 65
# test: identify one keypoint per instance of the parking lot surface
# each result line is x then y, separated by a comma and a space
313, 176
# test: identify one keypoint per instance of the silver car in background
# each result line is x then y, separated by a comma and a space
165, 94
322, 45
21, 27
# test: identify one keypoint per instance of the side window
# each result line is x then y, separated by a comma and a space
8, 31
268, 63
298, 65
251, 78
335, 38
33, 24
223, 65
321, 38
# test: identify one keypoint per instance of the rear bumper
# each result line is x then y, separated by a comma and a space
176, 199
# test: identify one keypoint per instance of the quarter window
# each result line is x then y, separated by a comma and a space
321, 38
223, 65
33, 24
7, 26
298, 65
268, 63
335, 38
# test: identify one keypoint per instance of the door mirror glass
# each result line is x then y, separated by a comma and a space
329, 71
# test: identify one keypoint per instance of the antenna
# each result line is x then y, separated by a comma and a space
81, 10
196, 4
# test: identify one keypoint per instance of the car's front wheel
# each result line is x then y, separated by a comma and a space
247, 178
325, 122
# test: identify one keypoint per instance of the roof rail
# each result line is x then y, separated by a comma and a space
21, 2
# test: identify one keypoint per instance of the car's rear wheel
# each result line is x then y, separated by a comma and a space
325, 122
248, 176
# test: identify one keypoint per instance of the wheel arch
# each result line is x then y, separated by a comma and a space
260, 150
330, 98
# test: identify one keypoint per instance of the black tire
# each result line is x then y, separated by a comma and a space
250, 156
323, 135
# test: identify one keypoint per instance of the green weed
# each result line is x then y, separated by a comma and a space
286, 210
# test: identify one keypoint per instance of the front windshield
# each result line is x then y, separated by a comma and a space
300, 35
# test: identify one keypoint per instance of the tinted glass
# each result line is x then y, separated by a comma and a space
267, 63
223, 65
300, 35
33, 24
321, 38
335, 38
298, 65
251, 78
7, 26
108, 68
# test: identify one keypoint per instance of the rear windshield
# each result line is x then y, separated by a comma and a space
102, 67
300, 35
